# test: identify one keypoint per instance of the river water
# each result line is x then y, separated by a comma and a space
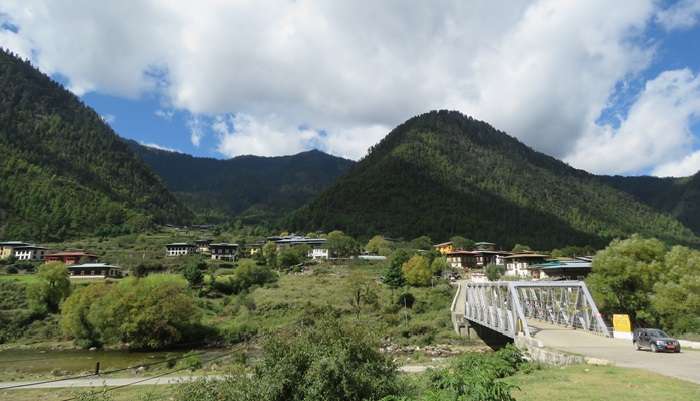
14, 363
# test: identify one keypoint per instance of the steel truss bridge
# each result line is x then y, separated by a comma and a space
511, 307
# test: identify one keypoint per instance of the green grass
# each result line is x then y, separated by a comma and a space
600, 383
22, 278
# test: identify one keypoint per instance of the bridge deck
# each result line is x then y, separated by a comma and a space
685, 365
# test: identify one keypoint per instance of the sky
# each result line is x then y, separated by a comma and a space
612, 87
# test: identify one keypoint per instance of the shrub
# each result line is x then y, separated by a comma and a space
417, 271
406, 300
240, 332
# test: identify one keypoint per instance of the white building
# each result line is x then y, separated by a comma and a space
179, 249
223, 251
518, 265
318, 249
30, 253
94, 270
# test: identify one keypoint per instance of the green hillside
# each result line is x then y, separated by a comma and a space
679, 197
63, 171
442, 173
253, 188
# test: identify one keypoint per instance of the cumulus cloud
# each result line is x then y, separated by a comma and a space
542, 70
108, 118
657, 129
242, 134
686, 166
682, 15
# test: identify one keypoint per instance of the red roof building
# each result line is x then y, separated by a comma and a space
71, 257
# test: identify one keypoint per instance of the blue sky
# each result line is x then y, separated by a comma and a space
610, 87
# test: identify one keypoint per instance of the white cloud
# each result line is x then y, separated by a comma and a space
541, 70
656, 131
159, 147
196, 126
108, 118
165, 114
686, 166
682, 15
242, 134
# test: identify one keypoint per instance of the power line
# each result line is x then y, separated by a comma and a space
156, 376
102, 373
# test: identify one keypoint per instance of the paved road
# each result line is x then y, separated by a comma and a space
139, 381
685, 365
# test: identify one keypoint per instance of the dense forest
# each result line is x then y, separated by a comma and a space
63, 171
443, 173
679, 197
252, 188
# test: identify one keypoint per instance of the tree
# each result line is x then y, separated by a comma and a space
462, 243
393, 277
249, 274
417, 271
269, 251
623, 276
518, 248
423, 243
52, 287
74, 315
193, 274
379, 246
439, 266
676, 299
363, 293
494, 272
150, 313
292, 255
341, 245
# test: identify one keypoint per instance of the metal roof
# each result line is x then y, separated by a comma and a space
93, 265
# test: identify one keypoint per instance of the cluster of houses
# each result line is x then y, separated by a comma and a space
526, 265
80, 264
229, 251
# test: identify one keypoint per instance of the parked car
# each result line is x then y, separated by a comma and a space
656, 340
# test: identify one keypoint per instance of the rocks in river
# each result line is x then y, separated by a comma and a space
140, 370
429, 350
59, 372
92, 349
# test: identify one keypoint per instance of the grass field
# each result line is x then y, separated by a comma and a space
133, 393
601, 383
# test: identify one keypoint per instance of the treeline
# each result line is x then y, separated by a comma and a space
64, 172
655, 285
442, 174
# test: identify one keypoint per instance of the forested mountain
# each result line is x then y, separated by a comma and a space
679, 197
442, 173
63, 171
253, 188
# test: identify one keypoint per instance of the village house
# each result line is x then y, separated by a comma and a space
318, 249
203, 245
94, 270
71, 257
562, 269
21, 251
461, 259
444, 248
253, 248
518, 265
223, 251
179, 249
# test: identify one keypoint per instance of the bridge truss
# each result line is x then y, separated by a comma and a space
510, 306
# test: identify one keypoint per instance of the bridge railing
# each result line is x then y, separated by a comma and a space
509, 306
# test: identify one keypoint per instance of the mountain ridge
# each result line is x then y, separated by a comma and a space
65, 173
447, 161
253, 188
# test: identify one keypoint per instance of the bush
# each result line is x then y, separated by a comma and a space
494, 272
329, 361
149, 313
249, 274
406, 300
11, 270
417, 271
240, 332
53, 286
